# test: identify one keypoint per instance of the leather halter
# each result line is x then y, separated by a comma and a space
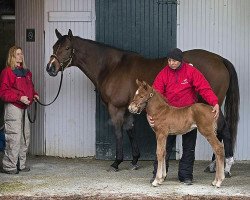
66, 62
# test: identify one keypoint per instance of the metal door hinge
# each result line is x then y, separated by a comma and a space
169, 2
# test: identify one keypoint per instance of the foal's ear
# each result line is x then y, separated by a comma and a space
144, 83
58, 35
70, 34
138, 82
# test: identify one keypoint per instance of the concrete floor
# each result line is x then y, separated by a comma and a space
61, 178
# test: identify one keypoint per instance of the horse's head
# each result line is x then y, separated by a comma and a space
141, 97
63, 53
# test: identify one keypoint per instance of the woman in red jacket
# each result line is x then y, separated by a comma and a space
17, 91
179, 83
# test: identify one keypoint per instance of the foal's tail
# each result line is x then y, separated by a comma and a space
232, 101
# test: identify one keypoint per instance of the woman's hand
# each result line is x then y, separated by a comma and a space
150, 120
25, 100
36, 97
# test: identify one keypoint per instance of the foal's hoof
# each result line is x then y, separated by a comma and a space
155, 183
134, 167
228, 174
216, 183
112, 169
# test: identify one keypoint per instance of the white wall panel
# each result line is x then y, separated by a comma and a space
223, 27
70, 121
29, 15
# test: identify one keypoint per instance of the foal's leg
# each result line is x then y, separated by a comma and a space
218, 149
169, 150
164, 171
223, 134
160, 152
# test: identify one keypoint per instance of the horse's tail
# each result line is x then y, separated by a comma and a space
232, 101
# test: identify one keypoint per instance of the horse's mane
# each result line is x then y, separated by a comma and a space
99, 44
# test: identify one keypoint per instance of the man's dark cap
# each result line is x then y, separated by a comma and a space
175, 54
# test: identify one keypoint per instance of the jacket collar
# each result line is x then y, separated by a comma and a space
20, 71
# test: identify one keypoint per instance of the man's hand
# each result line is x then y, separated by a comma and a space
216, 109
25, 100
150, 120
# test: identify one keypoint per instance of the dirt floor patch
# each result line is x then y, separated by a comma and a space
61, 178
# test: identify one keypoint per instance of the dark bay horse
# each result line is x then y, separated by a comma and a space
169, 120
114, 71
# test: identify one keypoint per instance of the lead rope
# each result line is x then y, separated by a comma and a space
24, 138
32, 120
44, 104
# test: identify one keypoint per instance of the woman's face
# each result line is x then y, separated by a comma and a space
19, 57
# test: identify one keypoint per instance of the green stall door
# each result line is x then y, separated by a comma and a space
147, 27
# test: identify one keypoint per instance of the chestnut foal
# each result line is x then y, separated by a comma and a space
177, 121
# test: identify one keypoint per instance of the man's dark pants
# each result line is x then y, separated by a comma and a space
187, 160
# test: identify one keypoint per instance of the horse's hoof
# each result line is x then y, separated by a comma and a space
134, 167
112, 169
209, 170
228, 174
211, 167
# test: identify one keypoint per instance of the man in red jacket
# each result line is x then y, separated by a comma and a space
17, 91
179, 83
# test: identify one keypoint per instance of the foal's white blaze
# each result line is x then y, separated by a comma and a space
137, 92
132, 107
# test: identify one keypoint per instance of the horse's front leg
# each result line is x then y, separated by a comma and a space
117, 117
129, 127
161, 153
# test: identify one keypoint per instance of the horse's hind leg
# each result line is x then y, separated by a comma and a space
218, 149
161, 153
129, 127
224, 134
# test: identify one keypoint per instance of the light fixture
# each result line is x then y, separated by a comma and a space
8, 17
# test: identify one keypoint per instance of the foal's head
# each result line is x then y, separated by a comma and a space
142, 95
62, 56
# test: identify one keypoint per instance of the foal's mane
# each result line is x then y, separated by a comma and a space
159, 96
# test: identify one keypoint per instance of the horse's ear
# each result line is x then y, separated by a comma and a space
70, 34
58, 35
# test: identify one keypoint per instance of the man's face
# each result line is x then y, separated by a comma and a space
19, 57
173, 64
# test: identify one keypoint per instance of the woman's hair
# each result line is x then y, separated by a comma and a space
11, 59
